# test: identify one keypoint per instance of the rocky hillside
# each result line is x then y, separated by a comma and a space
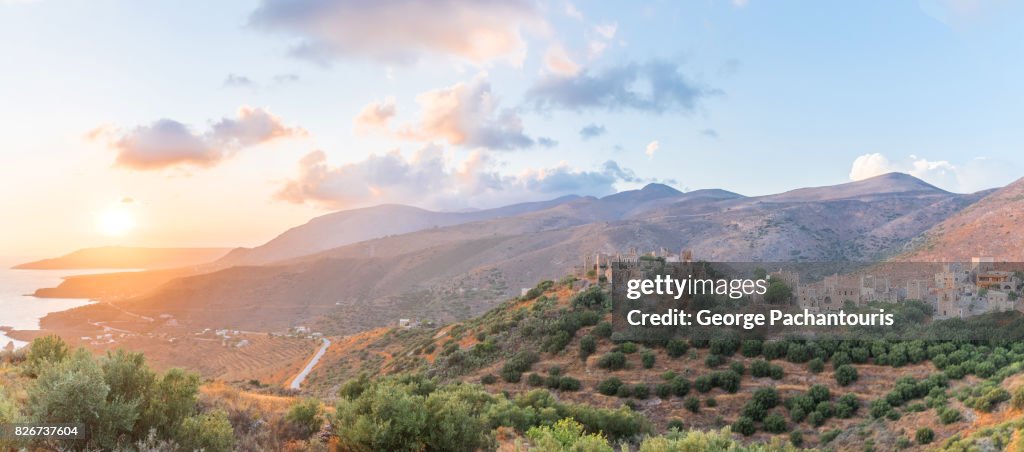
993, 227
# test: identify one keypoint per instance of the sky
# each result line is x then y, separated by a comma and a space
170, 123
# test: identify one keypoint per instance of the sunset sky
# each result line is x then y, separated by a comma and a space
170, 123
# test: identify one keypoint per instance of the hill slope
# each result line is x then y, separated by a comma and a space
992, 227
123, 257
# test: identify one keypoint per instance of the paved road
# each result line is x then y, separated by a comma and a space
297, 381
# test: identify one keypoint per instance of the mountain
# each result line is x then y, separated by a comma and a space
356, 225
452, 272
889, 184
121, 257
992, 227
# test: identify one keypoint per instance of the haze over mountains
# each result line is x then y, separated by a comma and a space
127, 257
352, 270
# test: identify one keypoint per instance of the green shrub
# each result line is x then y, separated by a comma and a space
830, 435
534, 380
641, 391
43, 351
819, 393
702, 383
924, 435
628, 348
647, 358
692, 403
208, 432
588, 345
845, 375
713, 360
816, 366
710, 402
676, 348
491, 379
796, 438
663, 390
609, 387
775, 372
773, 423
567, 383
603, 329
759, 368
744, 426
680, 386
675, 424
948, 415
305, 417
612, 361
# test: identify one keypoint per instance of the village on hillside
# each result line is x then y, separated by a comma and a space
952, 289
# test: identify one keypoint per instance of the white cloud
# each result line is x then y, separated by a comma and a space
571, 11
375, 117
167, 142
607, 30
402, 31
466, 114
652, 147
558, 61
432, 178
976, 174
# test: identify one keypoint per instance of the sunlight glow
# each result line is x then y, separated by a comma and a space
115, 221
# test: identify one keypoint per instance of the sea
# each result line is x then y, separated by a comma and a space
19, 309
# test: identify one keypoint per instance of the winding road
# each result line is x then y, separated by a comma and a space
297, 381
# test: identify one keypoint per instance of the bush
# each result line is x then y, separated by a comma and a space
819, 393
676, 424
796, 438
879, 409
759, 368
567, 383
737, 367
208, 432
612, 361
775, 372
711, 402
566, 434
948, 415
744, 426
45, 350
816, 366
702, 383
628, 348
647, 358
1018, 398
491, 379
588, 345
751, 348
692, 403
515, 366
830, 435
846, 374
603, 329
680, 386
610, 386
533, 380
305, 417
773, 423
713, 360
676, 348
663, 390
924, 435
641, 391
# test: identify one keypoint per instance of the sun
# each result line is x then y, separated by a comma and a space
115, 221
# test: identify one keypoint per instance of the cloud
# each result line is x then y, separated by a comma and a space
238, 81
977, 174
559, 62
592, 131
466, 114
167, 142
283, 79
654, 87
547, 142
709, 133
402, 31
571, 11
375, 116
430, 178
607, 31
651, 148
